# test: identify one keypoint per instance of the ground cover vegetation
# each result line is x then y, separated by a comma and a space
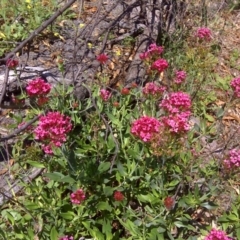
130, 161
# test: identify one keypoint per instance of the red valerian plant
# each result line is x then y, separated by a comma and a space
118, 196
38, 87
52, 130
204, 33
145, 127
102, 58
153, 51
235, 84
77, 197
217, 235
12, 63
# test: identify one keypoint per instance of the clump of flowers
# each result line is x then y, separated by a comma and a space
177, 123
77, 197
105, 94
153, 51
204, 33
169, 203
153, 89
159, 65
125, 91
52, 129
233, 160
180, 77
37, 88
217, 235
235, 84
66, 238
102, 58
12, 63
145, 127
176, 102
118, 196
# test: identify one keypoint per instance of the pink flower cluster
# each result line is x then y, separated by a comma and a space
52, 129
180, 77
77, 197
204, 33
159, 65
153, 51
105, 95
217, 235
177, 105
235, 84
38, 87
66, 238
153, 89
145, 127
177, 122
176, 102
233, 159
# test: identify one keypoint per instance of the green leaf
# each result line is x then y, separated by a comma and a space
104, 166
113, 119
56, 176
53, 234
67, 179
35, 164
104, 206
67, 215
32, 206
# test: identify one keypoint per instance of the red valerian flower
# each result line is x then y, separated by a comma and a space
105, 94
235, 84
12, 63
169, 203
38, 87
217, 235
204, 33
102, 58
159, 65
145, 127
125, 91
118, 196
77, 197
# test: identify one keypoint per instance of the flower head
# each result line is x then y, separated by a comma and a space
176, 102
145, 127
12, 63
105, 94
235, 84
38, 87
52, 130
169, 202
77, 197
118, 196
233, 160
125, 91
159, 65
180, 77
153, 52
178, 122
152, 89
102, 58
217, 235
204, 33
